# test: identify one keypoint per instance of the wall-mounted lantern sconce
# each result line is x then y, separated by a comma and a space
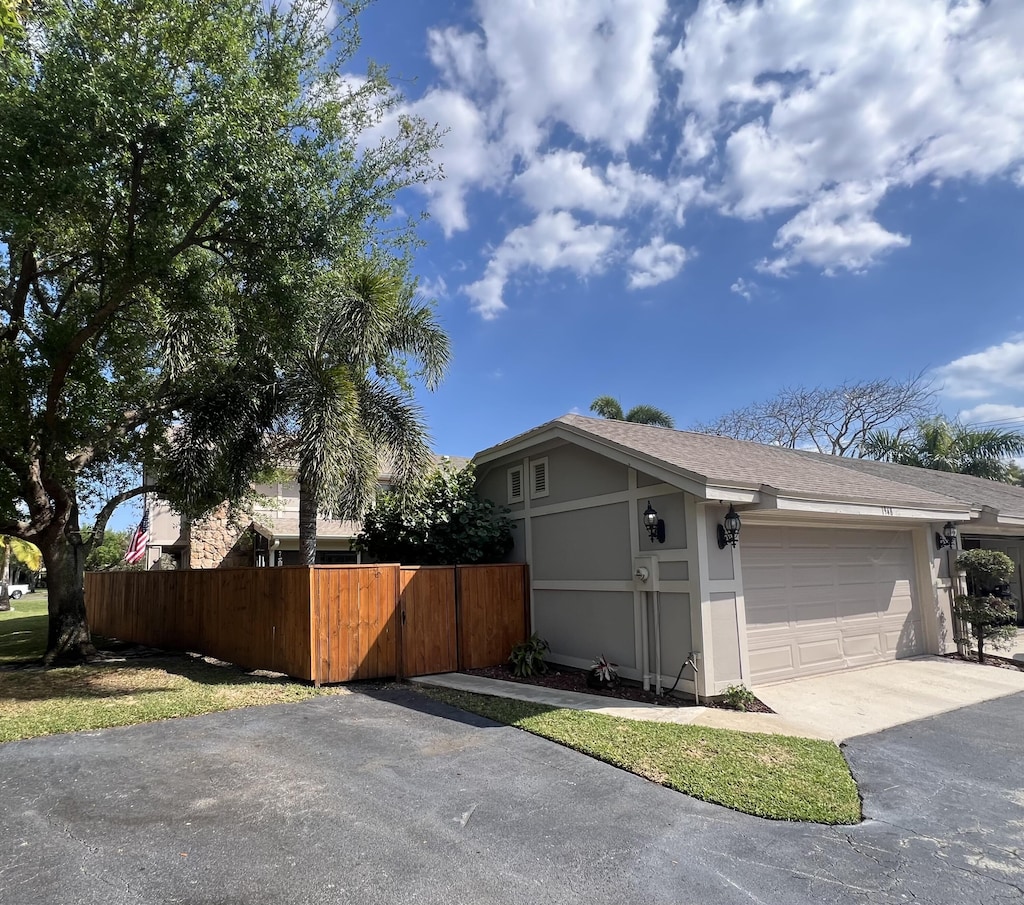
948, 536
654, 525
729, 533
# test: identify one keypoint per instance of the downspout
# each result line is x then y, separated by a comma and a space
656, 606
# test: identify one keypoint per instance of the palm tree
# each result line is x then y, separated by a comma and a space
348, 394
609, 407
949, 446
24, 552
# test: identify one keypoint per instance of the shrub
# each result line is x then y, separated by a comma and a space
739, 697
986, 607
439, 521
602, 672
527, 658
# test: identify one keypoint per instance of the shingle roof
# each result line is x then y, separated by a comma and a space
722, 460
742, 464
1007, 499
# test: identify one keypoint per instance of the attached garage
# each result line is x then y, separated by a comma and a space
824, 599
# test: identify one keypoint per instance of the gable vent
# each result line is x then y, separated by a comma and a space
515, 484
539, 487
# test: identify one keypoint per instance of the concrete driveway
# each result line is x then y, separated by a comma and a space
860, 701
386, 797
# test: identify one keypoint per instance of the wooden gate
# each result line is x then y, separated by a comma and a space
427, 639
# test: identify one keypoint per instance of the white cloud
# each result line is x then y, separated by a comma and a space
552, 241
432, 289
587, 63
835, 231
985, 374
744, 288
820, 105
814, 112
468, 157
992, 413
655, 263
562, 180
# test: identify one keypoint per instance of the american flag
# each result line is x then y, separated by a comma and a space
136, 551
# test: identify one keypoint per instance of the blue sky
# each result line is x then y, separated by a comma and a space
694, 204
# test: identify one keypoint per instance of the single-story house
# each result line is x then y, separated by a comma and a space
837, 562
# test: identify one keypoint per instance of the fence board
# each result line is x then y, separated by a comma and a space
327, 623
492, 613
427, 617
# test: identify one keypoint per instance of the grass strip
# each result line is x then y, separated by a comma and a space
103, 694
771, 776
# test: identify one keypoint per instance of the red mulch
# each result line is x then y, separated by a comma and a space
565, 678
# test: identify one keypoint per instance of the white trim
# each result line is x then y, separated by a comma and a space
606, 499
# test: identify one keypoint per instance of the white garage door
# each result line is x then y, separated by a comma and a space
824, 599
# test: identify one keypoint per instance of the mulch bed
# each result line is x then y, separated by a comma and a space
565, 678
990, 660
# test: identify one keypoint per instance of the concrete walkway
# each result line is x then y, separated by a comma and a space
631, 710
837, 706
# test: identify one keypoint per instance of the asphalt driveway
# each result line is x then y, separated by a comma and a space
385, 797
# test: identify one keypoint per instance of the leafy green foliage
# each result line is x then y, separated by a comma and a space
527, 657
739, 697
610, 407
110, 553
183, 181
950, 446
768, 775
439, 520
986, 607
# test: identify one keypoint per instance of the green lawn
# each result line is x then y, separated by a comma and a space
770, 776
34, 701
23, 629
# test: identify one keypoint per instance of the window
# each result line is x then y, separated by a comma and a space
515, 484
539, 478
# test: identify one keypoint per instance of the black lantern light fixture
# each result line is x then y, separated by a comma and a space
948, 536
654, 525
729, 533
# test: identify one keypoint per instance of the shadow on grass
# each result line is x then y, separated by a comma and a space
22, 639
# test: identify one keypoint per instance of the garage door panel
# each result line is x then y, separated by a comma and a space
839, 598
815, 653
777, 660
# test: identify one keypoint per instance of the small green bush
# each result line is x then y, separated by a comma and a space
739, 697
527, 658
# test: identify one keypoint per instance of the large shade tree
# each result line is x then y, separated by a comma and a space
610, 407
944, 445
175, 176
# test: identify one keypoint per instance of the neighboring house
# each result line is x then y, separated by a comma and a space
836, 566
267, 534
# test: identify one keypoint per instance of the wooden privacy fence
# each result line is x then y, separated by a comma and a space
321, 623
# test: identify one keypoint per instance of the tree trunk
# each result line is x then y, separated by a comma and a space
68, 640
5, 597
981, 645
307, 522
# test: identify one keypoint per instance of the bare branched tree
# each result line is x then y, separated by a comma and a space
834, 420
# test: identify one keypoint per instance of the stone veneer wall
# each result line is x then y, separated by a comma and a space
219, 541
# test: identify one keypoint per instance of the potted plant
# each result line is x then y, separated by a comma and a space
603, 673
